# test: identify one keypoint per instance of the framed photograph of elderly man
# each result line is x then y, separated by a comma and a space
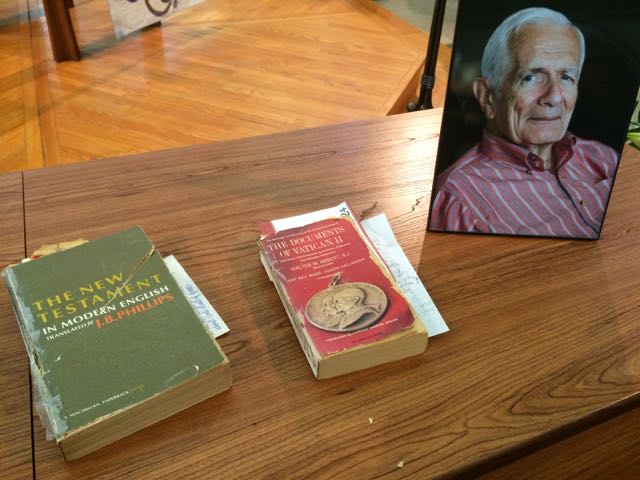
539, 101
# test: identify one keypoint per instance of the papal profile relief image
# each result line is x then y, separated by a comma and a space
347, 307
528, 174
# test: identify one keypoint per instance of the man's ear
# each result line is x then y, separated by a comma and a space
484, 96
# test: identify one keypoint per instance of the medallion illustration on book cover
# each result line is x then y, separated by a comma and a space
538, 103
346, 307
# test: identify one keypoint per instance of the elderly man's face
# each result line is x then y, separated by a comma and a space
535, 103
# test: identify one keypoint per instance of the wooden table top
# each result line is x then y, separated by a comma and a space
15, 414
543, 337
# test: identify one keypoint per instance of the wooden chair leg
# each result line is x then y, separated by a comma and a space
63, 38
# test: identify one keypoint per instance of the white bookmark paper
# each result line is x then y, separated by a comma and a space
382, 237
207, 314
311, 217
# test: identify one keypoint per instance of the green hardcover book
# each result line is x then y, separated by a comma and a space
114, 345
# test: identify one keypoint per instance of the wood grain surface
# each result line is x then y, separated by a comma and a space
552, 325
223, 69
20, 126
203, 204
15, 412
608, 451
543, 332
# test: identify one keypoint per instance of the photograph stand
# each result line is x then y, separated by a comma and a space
428, 79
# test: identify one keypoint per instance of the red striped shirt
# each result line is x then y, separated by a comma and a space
499, 187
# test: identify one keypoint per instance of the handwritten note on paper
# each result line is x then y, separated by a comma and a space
205, 312
382, 237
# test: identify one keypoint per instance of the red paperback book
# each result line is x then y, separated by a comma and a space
336, 282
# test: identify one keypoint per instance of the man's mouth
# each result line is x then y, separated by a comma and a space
545, 118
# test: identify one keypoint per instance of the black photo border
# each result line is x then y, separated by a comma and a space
608, 86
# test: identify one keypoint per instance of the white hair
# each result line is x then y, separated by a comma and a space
497, 58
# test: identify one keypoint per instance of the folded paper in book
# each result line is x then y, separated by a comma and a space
210, 318
379, 232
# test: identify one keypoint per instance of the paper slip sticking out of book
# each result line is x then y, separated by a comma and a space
311, 217
204, 310
381, 235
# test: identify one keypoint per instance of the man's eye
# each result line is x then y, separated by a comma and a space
529, 78
567, 78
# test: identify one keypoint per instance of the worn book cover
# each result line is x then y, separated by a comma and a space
106, 328
339, 294
329, 274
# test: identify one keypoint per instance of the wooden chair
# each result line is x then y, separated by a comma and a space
63, 38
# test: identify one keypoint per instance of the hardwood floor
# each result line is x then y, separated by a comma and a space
221, 70
19, 124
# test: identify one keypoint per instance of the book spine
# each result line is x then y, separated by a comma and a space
47, 405
293, 318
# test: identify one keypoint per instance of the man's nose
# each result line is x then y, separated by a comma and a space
552, 94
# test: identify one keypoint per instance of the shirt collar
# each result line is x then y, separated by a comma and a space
497, 148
